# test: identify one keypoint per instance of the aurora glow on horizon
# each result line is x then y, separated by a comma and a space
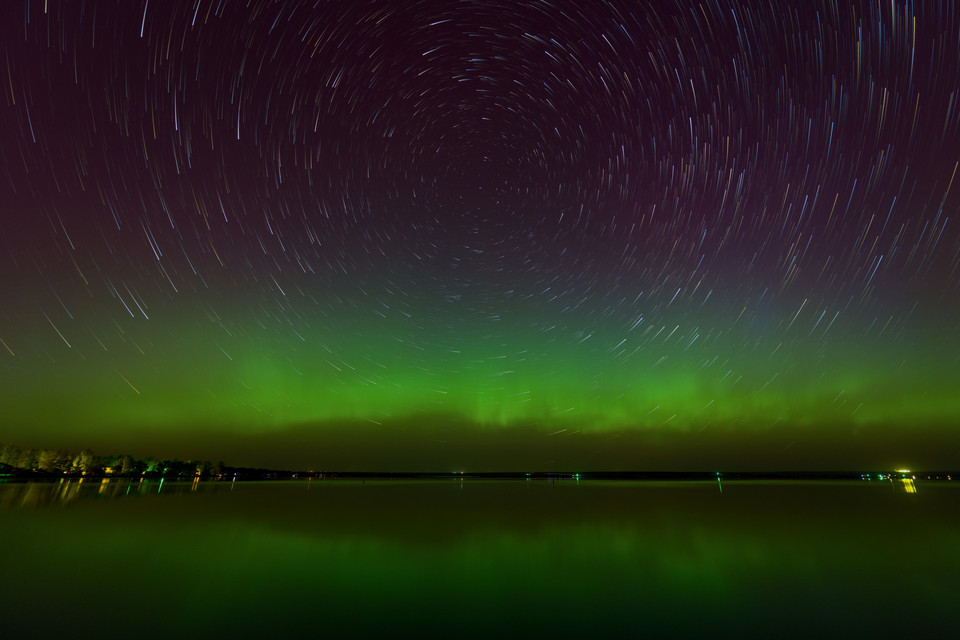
420, 235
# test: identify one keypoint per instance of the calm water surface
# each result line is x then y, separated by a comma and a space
478, 558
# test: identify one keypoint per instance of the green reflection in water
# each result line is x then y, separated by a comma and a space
479, 558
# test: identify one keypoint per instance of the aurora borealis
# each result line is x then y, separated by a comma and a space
430, 234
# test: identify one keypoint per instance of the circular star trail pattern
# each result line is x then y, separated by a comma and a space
575, 218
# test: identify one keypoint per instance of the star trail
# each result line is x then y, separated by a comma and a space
426, 233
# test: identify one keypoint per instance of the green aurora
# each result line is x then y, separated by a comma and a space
243, 381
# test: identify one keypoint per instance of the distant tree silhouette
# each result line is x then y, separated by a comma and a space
62, 461
85, 462
27, 459
9, 454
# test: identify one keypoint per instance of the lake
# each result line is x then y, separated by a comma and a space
478, 558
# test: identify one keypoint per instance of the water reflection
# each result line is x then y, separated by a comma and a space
41, 493
70, 490
476, 558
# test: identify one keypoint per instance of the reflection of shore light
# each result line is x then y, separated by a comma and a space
909, 486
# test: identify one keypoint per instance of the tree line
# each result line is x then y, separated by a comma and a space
63, 462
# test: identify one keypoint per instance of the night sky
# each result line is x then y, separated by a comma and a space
483, 235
